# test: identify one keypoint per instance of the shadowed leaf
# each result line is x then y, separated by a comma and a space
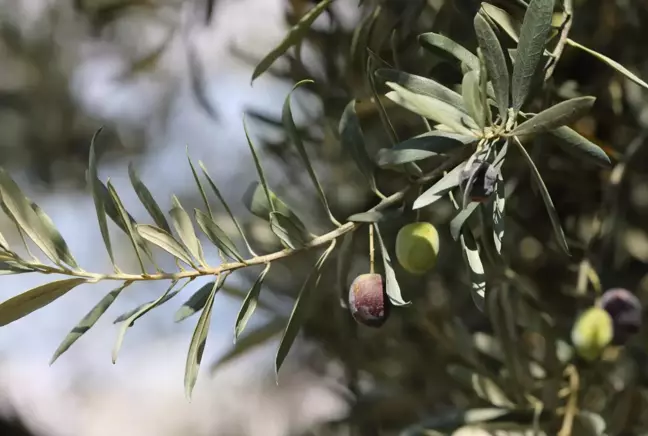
250, 303
472, 97
391, 283
165, 241
353, 142
147, 200
556, 116
292, 235
443, 45
579, 146
216, 235
126, 220
440, 188
182, 224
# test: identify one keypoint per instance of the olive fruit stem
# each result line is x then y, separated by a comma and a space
372, 250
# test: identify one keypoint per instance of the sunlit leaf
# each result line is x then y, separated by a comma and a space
257, 203
472, 97
509, 24
470, 252
551, 210
55, 236
182, 224
250, 303
147, 199
156, 302
440, 44
579, 146
300, 309
216, 235
292, 235
126, 220
499, 203
196, 302
376, 216
458, 221
422, 147
495, 63
392, 287
88, 321
165, 241
294, 37
423, 86
432, 109
439, 189
23, 304
353, 142
533, 37
558, 115
199, 185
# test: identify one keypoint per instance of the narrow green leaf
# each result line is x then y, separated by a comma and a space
422, 147
533, 37
579, 146
165, 241
353, 142
458, 221
259, 167
23, 304
495, 63
295, 138
62, 249
617, 66
8, 267
95, 187
255, 338
250, 303
126, 220
147, 199
472, 97
182, 224
257, 203
140, 312
167, 297
301, 307
88, 321
499, 201
486, 90
556, 116
216, 235
294, 36
27, 219
196, 302
440, 44
551, 210
344, 263
432, 109
510, 25
440, 188
292, 235
199, 339
199, 185
376, 216
423, 86
391, 283
471, 256
225, 205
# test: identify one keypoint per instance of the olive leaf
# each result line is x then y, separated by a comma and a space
183, 226
256, 201
201, 190
147, 199
439, 189
495, 63
293, 236
423, 86
295, 138
392, 287
216, 235
376, 216
62, 249
250, 303
432, 109
443, 45
352, 140
157, 303
23, 304
456, 224
498, 206
470, 252
579, 146
617, 66
533, 37
165, 241
88, 321
551, 210
472, 97
421, 147
300, 308
126, 219
196, 302
30, 222
556, 116
294, 36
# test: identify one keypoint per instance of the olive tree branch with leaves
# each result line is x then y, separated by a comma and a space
473, 129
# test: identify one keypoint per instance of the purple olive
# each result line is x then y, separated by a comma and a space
626, 312
368, 300
479, 178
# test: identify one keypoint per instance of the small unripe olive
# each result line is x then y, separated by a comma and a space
626, 312
479, 178
592, 332
417, 247
368, 301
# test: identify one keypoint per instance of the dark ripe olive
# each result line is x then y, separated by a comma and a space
626, 312
368, 300
479, 178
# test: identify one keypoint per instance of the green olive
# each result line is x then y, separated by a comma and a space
592, 332
417, 247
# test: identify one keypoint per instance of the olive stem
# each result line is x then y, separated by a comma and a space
372, 251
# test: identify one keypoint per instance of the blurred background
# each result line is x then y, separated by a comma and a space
167, 77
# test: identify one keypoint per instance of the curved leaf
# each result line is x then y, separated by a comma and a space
129, 225
375, 216
259, 167
216, 235
182, 224
391, 283
196, 302
147, 199
556, 116
167, 297
470, 252
439, 189
533, 37
442, 44
165, 241
353, 142
433, 109
472, 98
250, 303
495, 63
579, 146
458, 221
201, 190
292, 235
422, 147
62, 249
257, 203
23, 304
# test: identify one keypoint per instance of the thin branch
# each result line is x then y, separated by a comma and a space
568, 16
